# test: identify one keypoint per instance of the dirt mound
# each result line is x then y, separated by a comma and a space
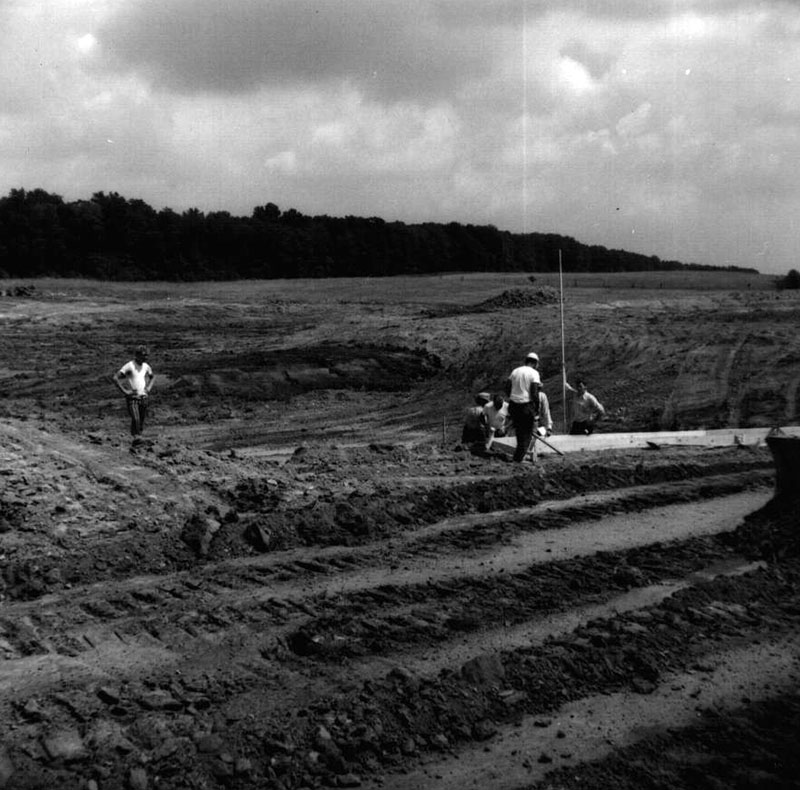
770, 533
281, 374
511, 299
517, 298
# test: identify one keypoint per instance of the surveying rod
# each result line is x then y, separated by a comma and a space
563, 362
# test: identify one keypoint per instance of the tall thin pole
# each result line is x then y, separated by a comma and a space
563, 357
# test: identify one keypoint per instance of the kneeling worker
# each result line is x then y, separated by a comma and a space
474, 431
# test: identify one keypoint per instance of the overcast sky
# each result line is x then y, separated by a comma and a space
666, 127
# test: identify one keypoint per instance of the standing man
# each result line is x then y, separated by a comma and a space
522, 389
586, 410
139, 378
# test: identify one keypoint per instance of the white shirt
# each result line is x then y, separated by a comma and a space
545, 420
586, 407
521, 379
497, 417
136, 375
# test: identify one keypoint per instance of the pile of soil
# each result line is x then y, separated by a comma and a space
519, 298
511, 299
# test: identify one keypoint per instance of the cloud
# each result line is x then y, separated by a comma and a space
596, 62
392, 50
282, 162
634, 123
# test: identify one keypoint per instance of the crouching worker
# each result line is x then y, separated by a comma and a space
473, 434
496, 419
134, 380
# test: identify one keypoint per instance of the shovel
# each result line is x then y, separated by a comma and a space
532, 446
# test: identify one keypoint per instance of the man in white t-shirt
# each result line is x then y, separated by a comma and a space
522, 389
139, 378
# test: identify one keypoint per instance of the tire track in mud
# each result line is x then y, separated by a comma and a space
631, 651
552, 624
298, 684
397, 620
264, 591
412, 675
372, 727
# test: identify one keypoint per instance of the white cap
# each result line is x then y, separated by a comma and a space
533, 355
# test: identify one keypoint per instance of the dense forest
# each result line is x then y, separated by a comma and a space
114, 238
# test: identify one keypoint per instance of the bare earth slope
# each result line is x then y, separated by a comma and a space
300, 579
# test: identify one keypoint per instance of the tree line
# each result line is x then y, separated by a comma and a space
111, 237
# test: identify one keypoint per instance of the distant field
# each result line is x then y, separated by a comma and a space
691, 281
452, 288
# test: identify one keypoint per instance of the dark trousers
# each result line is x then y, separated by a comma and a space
581, 428
523, 415
137, 409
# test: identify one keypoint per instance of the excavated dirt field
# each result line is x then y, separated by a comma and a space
300, 580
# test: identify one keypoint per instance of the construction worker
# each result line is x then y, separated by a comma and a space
587, 411
545, 419
496, 419
522, 390
139, 377
474, 431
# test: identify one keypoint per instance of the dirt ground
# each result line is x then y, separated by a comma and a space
300, 579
